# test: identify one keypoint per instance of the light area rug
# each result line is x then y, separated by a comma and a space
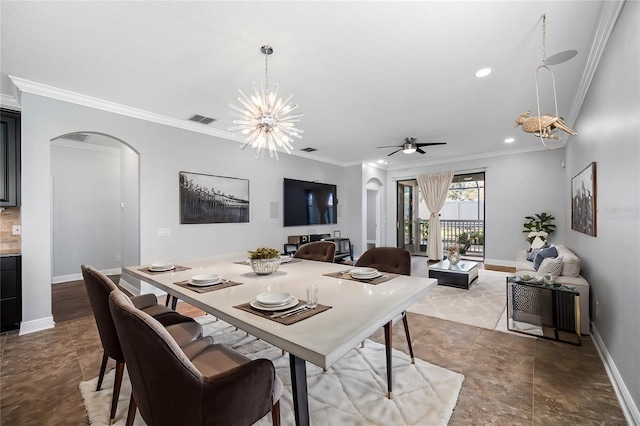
351, 392
481, 306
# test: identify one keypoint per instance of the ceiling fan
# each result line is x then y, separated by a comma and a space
409, 146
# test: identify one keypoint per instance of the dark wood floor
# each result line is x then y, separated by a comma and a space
70, 301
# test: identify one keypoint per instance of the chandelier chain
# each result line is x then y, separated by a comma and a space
266, 72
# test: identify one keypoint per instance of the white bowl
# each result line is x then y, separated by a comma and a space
273, 298
525, 277
205, 278
161, 266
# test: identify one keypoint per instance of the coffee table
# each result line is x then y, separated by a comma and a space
460, 275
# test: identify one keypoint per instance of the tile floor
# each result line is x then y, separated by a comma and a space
509, 380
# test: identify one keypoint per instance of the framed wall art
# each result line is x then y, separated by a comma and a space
583, 201
213, 199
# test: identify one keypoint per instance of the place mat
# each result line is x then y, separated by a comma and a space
177, 268
206, 289
344, 275
288, 320
246, 262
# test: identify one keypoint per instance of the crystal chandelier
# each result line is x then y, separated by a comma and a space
266, 120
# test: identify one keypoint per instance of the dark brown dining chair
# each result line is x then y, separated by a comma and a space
99, 286
201, 383
321, 251
392, 260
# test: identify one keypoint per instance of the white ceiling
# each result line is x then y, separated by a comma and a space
365, 74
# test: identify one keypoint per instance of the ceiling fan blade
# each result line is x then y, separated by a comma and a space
420, 151
430, 144
389, 146
398, 150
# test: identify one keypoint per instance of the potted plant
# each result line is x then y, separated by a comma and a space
539, 226
264, 261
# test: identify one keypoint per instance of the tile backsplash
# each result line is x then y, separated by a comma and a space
9, 243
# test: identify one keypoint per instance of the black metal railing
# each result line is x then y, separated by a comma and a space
452, 230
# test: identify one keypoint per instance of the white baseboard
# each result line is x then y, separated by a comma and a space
629, 408
32, 326
76, 277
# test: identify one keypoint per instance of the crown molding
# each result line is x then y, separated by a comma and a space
9, 102
609, 12
79, 99
86, 146
479, 156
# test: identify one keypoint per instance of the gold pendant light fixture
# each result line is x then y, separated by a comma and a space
264, 119
544, 126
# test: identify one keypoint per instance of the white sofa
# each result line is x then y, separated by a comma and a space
570, 276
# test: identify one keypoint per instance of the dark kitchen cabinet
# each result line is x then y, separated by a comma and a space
9, 158
10, 293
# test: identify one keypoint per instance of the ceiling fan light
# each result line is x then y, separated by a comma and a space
409, 150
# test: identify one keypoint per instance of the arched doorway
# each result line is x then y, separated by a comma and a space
94, 204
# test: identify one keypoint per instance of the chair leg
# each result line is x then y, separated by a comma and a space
116, 391
166, 300
103, 368
406, 332
388, 341
174, 303
275, 414
131, 414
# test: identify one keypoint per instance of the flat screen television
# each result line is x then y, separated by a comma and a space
309, 203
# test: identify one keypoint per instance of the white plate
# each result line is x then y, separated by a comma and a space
273, 298
205, 284
257, 305
364, 271
366, 277
205, 278
161, 267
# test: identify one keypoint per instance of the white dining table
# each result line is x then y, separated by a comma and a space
358, 309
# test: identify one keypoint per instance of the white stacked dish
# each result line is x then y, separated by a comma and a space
274, 301
162, 267
204, 280
365, 273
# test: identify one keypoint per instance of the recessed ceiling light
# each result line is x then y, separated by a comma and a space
483, 72
509, 140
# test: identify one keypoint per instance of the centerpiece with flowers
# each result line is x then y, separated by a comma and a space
264, 261
539, 226
454, 254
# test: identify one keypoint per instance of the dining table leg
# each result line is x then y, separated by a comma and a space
388, 343
299, 389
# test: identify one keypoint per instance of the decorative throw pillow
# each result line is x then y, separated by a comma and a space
543, 254
551, 266
531, 254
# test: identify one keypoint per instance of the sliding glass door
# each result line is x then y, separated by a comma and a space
461, 218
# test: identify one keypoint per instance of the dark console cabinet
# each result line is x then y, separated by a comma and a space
9, 158
10, 293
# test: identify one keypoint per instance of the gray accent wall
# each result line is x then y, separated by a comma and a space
608, 133
516, 186
163, 152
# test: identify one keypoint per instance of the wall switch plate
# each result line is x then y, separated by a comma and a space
164, 232
16, 229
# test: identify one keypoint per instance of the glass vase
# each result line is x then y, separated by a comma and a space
453, 258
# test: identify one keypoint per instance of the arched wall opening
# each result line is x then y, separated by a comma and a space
94, 204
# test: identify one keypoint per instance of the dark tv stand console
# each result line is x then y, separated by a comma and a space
343, 245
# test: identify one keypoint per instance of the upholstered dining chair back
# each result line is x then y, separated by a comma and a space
170, 389
387, 259
322, 251
99, 286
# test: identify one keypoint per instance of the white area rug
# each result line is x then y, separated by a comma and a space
352, 391
481, 306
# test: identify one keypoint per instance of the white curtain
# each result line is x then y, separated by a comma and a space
434, 188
